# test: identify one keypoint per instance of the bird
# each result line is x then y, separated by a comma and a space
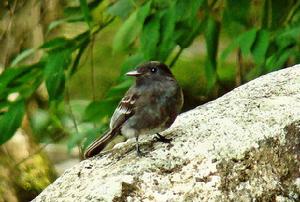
150, 106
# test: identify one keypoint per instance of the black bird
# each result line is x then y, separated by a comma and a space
148, 107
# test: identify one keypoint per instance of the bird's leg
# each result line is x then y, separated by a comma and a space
161, 138
137, 147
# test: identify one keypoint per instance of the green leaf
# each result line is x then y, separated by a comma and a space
295, 17
280, 10
260, 46
238, 12
276, 12
98, 110
121, 8
120, 89
187, 10
167, 41
132, 62
58, 42
81, 13
80, 39
254, 72
54, 73
288, 36
76, 138
236, 16
212, 38
188, 23
14, 79
185, 35
11, 120
26, 84
55, 24
244, 41
3, 104
73, 12
212, 33
285, 42
39, 120
23, 55
86, 12
81, 50
131, 28
150, 37
8, 76
265, 18
92, 134
277, 60
71, 15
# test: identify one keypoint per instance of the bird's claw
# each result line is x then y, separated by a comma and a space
161, 138
139, 153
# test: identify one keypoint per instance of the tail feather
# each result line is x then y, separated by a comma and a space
98, 145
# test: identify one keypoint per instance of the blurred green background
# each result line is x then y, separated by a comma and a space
63, 89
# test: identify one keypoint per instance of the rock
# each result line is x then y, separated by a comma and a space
244, 146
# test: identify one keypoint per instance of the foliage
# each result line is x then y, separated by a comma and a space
264, 35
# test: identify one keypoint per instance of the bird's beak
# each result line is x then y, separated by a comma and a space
133, 73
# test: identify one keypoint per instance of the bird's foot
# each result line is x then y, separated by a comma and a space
139, 153
161, 138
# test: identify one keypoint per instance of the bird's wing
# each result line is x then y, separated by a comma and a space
124, 111
98, 145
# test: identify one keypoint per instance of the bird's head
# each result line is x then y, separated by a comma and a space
152, 70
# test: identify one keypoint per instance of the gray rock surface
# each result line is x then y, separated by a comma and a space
244, 146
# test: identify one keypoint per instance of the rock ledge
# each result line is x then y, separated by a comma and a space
243, 146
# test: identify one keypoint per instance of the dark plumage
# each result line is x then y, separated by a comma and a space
150, 106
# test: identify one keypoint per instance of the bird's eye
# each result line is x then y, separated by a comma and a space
153, 70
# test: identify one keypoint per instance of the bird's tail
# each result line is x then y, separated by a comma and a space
99, 144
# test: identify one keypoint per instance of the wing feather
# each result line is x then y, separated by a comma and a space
124, 110
122, 113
